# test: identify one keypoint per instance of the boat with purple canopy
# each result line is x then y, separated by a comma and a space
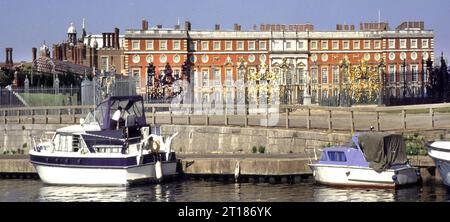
103, 152
370, 160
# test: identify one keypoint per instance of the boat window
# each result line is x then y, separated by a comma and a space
63, 142
337, 156
130, 108
89, 118
323, 157
100, 111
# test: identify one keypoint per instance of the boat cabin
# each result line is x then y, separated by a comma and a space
375, 150
132, 113
109, 136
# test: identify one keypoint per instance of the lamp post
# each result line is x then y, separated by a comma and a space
307, 90
404, 78
150, 80
381, 69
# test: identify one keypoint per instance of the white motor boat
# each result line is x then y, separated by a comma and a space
439, 151
98, 153
372, 160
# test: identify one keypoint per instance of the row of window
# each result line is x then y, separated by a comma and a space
367, 44
262, 45
150, 45
205, 45
228, 45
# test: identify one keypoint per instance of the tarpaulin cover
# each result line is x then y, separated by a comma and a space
383, 150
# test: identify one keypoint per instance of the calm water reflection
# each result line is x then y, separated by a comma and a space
196, 191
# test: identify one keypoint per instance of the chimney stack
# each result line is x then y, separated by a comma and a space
104, 40
144, 25
108, 41
117, 40
217, 27
187, 25
237, 27
6, 56
113, 40
34, 54
9, 60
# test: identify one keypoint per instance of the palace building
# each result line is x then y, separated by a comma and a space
221, 59
104, 52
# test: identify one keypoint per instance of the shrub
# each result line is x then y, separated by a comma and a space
415, 145
254, 149
261, 149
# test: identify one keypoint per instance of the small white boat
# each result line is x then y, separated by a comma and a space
440, 152
96, 153
356, 166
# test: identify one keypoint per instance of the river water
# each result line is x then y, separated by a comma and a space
207, 191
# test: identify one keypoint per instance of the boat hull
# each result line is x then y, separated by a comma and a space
63, 175
363, 176
444, 170
440, 153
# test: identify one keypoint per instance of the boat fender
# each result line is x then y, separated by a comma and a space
158, 169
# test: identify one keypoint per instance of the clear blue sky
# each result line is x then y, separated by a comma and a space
25, 24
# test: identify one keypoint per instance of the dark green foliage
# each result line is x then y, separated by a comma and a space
415, 145
261, 149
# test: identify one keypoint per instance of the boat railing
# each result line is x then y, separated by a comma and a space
313, 154
45, 142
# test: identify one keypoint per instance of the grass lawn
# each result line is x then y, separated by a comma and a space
41, 99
